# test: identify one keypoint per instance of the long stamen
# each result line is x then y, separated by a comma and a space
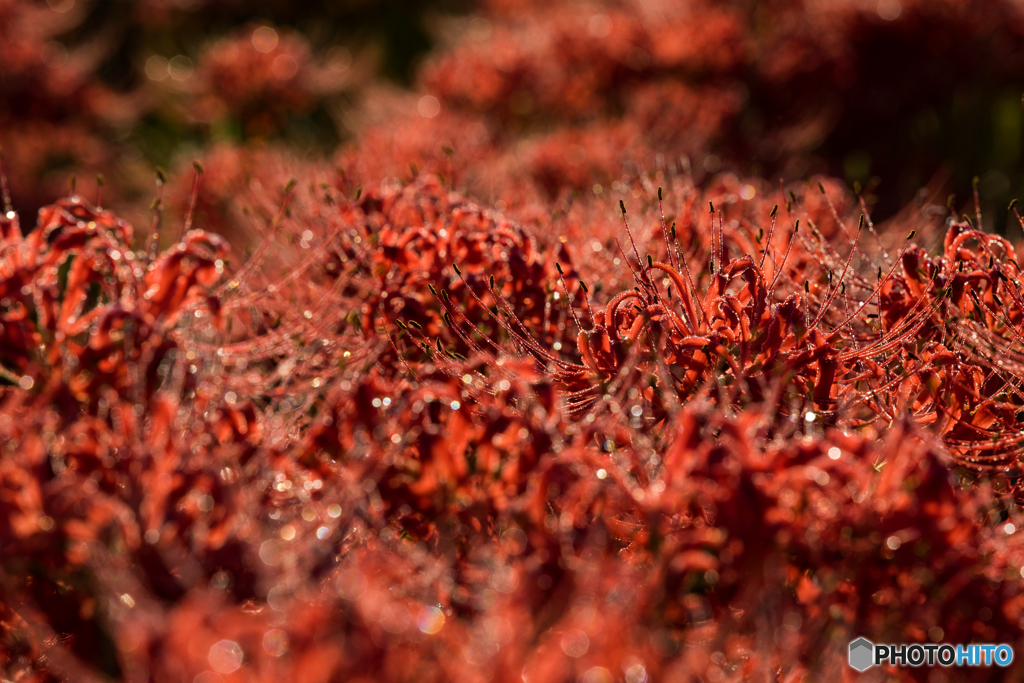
977, 201
629, 232
721, 243
870, 224
256, 260
1013, 207
691, 288
835, 214
664, 232
586, 300
782, 266
714, 240
881, 283
193, 196
625, 260
568, 297
842, 277
8, 208
153, 244
768, 241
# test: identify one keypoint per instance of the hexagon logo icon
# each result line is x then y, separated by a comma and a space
862, 654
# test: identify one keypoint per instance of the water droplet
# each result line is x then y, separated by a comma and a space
431, 620
275, 642
225, 657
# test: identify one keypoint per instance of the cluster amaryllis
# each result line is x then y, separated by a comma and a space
408, 431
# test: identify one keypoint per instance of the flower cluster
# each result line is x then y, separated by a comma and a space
411, 435
564, 96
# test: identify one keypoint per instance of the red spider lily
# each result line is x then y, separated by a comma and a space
361, 460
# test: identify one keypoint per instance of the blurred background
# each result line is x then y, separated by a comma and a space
517, 101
